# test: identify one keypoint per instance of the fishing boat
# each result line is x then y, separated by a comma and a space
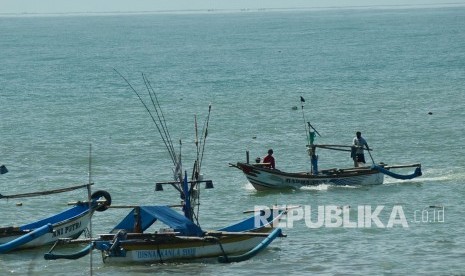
178, 238
70, 223
161, 233
263, 177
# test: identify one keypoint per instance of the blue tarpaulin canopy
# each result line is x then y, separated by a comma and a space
149, 214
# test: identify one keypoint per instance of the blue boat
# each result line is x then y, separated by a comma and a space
70, 223
178, 239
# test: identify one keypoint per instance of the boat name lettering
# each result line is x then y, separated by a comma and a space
67, 229
166, 253
299, 181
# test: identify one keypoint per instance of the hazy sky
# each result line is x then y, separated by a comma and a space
61, 6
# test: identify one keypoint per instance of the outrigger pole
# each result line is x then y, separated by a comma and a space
56, 191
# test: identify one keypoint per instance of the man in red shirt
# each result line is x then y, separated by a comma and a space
269, 159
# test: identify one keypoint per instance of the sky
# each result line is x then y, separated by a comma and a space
105, 6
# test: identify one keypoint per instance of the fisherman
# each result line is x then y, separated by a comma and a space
269, 159
357, 152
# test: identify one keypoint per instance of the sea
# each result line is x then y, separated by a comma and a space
69, 116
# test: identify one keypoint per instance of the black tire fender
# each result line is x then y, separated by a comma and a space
97, 195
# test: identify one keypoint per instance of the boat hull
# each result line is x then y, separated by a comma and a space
178, 248
237, 242
266, 179
69, 228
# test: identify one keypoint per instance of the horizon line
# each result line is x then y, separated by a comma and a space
236, 10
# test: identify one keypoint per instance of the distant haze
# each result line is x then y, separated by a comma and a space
108, 6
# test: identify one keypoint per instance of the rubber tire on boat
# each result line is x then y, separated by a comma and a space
101, 193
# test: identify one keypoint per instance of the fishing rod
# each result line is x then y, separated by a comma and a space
167, 142
196, 170
158, 117
161, 118
159, 111
205, 133
200, 144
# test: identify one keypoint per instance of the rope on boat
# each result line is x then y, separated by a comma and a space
56, 191
225, 256
159, 253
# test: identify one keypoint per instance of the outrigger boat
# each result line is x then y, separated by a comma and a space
262, 177
180, 236
70, 223
130, 242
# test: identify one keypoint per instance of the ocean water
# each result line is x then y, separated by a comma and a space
380, 71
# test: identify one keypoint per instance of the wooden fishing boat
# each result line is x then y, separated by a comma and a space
70, 223
263, 177
180, 237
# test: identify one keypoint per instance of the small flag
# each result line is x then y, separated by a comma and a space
302, 99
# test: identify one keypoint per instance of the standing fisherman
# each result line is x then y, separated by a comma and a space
357, 153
